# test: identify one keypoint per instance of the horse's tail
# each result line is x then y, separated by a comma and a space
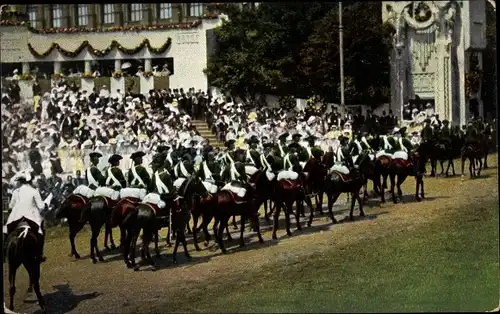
144, 219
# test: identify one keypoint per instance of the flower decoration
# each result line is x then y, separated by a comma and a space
422, 12
103, 52
57, 76
26, 77
134, 28
88, 75
117, 74
147, 73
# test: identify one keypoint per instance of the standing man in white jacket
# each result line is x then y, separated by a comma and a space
27, 203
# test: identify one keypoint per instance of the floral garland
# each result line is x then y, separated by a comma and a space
136, 28
26, 77
147, 73
88, 75
117, 74
473, 82
57, 76
101, 53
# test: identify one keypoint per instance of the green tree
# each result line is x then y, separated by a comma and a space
366, 55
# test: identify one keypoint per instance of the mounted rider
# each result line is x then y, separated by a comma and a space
358, 147
445, 134
209, 171
161, 187
343, 160
252, 157
427, 133
94, 176
234, 172
138, 175
115, 178
27, 205
401, 145
281, 148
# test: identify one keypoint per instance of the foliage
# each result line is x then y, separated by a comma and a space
291, 49
366, 55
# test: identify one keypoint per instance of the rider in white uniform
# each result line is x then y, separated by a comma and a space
27, 205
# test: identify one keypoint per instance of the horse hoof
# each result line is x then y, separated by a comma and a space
309, 224
419, 199
113, 247
242, 245
351, 218
130, 265
197, 248
224, 251
205, 243
94, 261
362, 214
189, 257
299, 228
107, 248
136, 268
422, 196
235, 227
274, 237
261, 240
288, 233
101, 259
174, 261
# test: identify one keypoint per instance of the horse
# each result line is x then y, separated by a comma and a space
227, 204
72, 209
473, 152
263, 189
314, 173
338, 183
23, 247
400, 169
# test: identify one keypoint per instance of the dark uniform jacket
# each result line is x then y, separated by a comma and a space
166, 179
142, 173
254, 158
117, 180
97, 175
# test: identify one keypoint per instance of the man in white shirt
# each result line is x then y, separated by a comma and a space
27, 204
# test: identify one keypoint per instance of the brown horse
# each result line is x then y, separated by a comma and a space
122, 215
229, 204
474, 153
400, 169
263, 189
72, 209
314, 183
287, 192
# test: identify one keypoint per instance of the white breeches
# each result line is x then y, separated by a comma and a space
340, 168
154, 198
382, 153
270, 175
250, 170
133, 192
400, 154
84, 190
178, 182
108, 192
211, 188
237, 190
287, 175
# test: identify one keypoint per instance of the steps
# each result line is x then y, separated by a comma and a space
205, 132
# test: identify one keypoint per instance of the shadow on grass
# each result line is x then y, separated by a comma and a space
64, 300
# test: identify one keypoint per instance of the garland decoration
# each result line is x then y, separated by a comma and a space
101, 53
135, 28
88, 75
117, 74
147, 73
26, 77
57, 76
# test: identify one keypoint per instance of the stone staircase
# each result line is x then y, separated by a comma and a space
204, 130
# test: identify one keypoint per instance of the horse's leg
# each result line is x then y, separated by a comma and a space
242, 229
309, 204
433, 167
400, 178
384, 181
472, 167
111, 241
108, 232
365, 190
98, 253
266, 214
235, 226
182, 238
276, 217
300, 209
220, 232
34, 274
453, 166
12, 283
332, 198
126, 243
133, 246
353, 203
73, 231
462, 159
157, 250
287, 210
255, 220
320, 202
448, 167
311, 215
392, 178
417, 187
485, 159
196, 216
480, 167
206, 218
228, 234
123, 233
441, 163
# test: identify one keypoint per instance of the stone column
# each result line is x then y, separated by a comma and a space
88, 66
26, 68
118, 65
147, 65
57, 67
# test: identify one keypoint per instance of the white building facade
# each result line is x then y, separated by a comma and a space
433, 45
187, 45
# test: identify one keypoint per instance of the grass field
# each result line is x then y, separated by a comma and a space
438, 255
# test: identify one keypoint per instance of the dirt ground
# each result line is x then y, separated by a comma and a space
78, 286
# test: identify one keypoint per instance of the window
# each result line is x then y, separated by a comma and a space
109, 13
56, 15
165, 11
31, 10
82, 15
136, 12
195, 9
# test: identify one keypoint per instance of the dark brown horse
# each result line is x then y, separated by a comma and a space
314, 183
286, 193
72, 209
263, 189
400, 169
474, 153
229, 204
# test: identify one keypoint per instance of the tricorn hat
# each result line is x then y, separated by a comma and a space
115, 158
95, 155
137, 155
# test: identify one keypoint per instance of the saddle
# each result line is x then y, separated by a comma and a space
384, 158
109, 202
76, 200
341, 176
238, 200
155, 208
287, 184
403, 163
